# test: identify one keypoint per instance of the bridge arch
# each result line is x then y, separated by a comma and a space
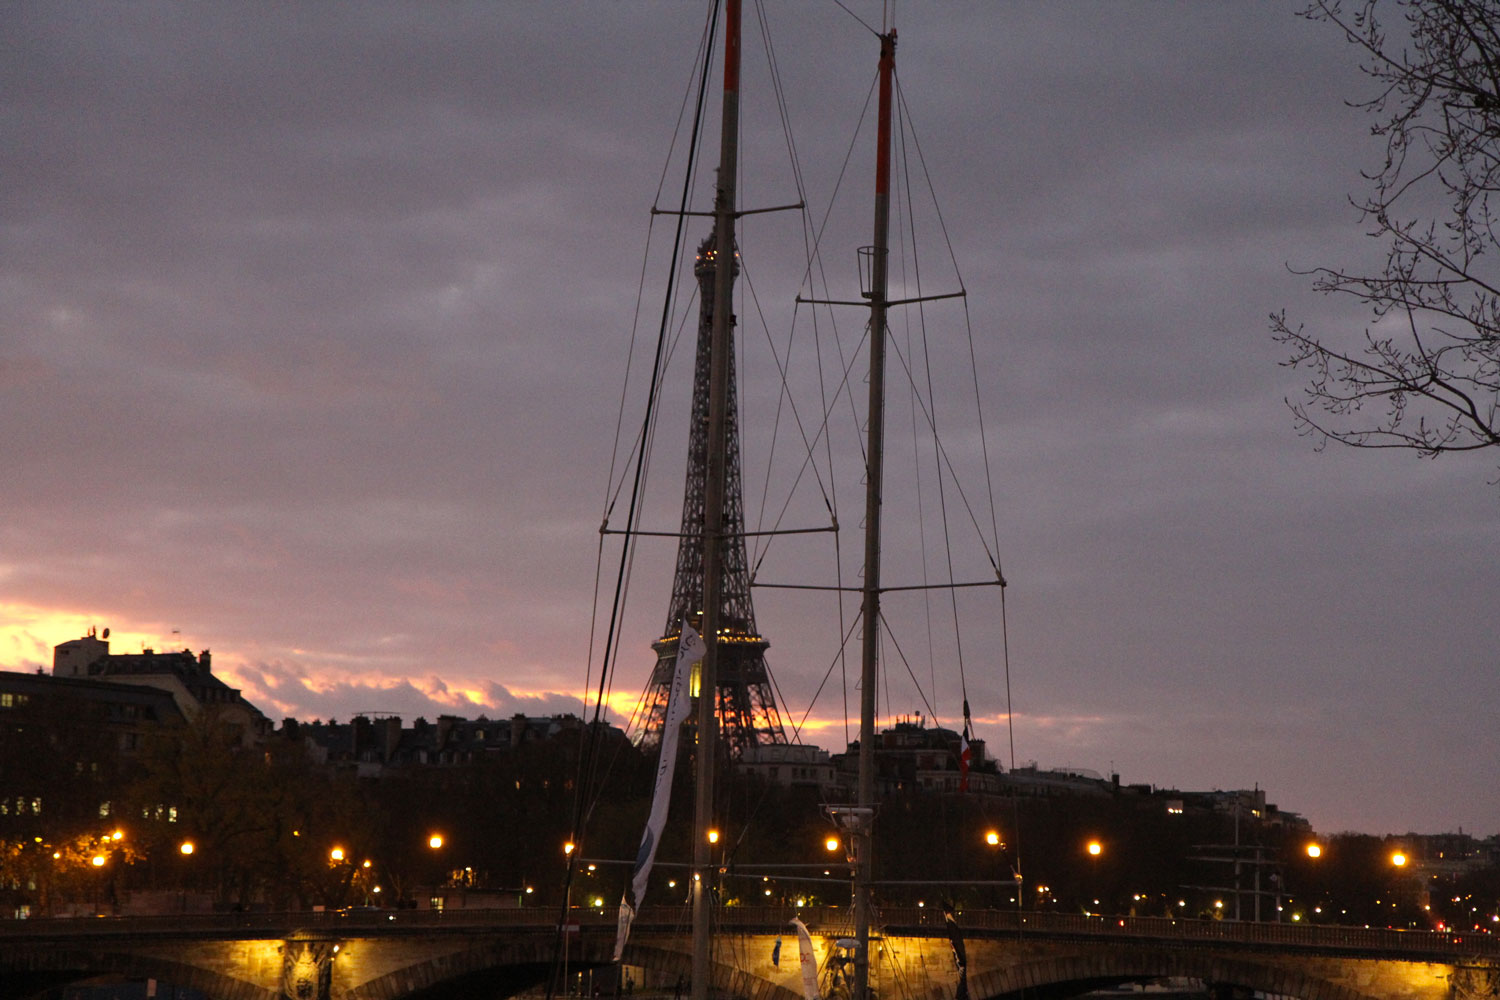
531, 961
517, 955
1051, 974
77, 965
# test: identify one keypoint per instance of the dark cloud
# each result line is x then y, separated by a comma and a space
316, 319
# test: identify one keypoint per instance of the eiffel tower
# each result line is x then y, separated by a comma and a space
747, 708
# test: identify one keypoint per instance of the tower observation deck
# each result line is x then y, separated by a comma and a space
746, 706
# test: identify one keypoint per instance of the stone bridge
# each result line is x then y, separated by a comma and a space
424, 955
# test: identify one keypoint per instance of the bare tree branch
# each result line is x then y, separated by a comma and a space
1428, 363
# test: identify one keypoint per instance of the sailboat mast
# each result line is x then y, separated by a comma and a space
713, 497
874, 471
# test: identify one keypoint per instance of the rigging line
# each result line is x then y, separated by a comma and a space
1010, 729
798, 726
651, 420
587, 767
784, 119
818, 232
908, 222
705, 42
784, 398
887, 633
984, 445
947, 463
824, 428
816, 269
690, 176
635, 321
646, 436
812, 254
968, 327
861, 21
906, 129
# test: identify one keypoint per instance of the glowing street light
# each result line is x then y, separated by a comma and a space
832, 844
435, 841
1398, 859
992, 838
186, 848
713, 836
1095, 848
337, 854
97, 861
569, 847
1314, 850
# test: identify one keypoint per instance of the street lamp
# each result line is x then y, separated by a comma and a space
1314, 850
992, 837
1095, 848
337, 854
187, 847
435, 841
1398, 860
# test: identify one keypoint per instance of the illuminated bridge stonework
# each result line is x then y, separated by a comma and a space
389, 956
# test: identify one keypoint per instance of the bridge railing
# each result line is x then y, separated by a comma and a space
980, 923
829, 920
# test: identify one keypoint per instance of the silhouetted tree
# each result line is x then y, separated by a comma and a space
1425, 374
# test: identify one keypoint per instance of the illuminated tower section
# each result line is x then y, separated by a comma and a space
747, 708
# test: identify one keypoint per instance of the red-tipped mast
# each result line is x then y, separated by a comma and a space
873, 473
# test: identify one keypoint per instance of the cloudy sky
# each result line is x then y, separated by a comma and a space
314, 324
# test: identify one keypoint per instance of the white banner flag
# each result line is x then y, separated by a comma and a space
690, 649
809, 961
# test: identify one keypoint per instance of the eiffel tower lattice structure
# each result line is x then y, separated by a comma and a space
746, 707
